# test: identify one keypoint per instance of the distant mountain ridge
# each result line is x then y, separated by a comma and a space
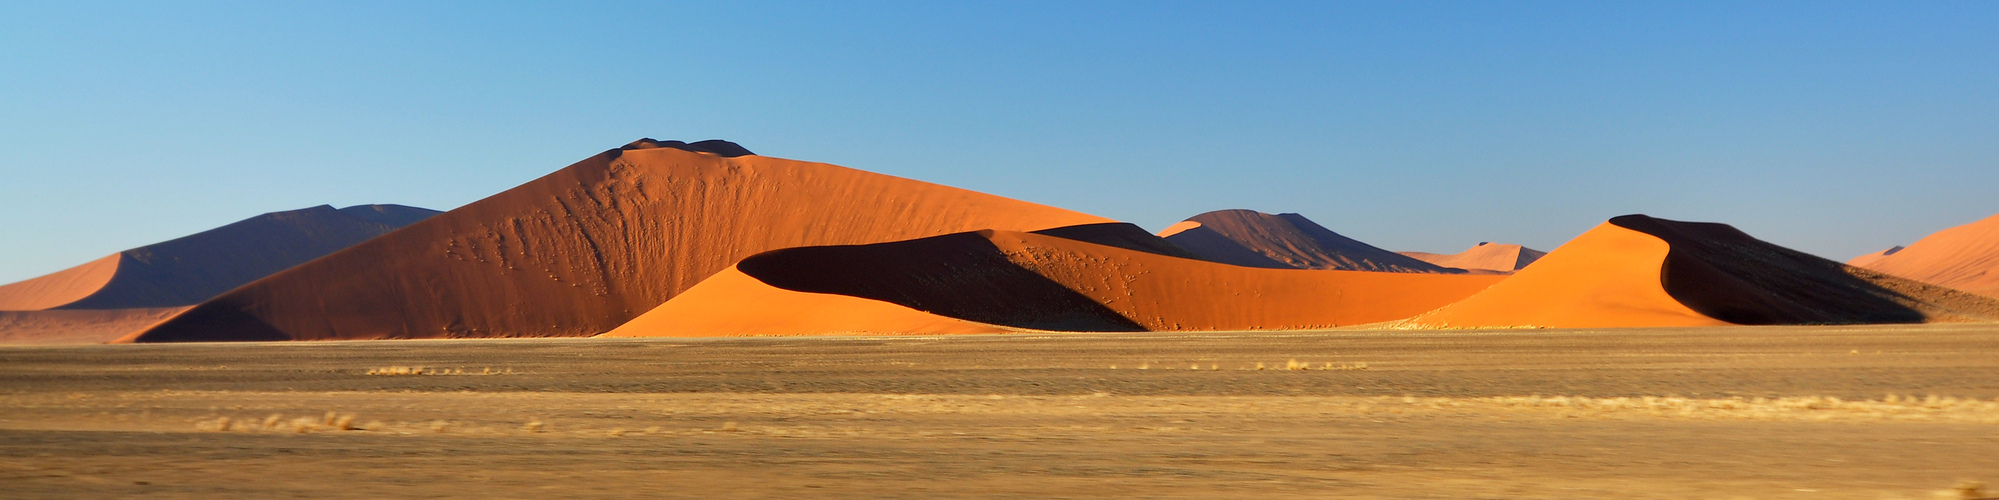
1285, 241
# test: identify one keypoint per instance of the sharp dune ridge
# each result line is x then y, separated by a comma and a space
1285, 241
671, 238
1964, 257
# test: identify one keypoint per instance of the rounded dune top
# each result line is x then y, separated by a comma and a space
61, 287
1964, 257
1486, 256
1285, 241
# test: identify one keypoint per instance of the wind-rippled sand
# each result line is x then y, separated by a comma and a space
1743, 412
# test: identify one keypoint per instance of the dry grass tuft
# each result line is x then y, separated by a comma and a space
534, 425
421, 370
729, 426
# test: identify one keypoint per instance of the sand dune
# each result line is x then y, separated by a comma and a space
1964, 257
1033, 281
1485, 256
190, 269
587, 248
1284, 241
78, 326
1642, 271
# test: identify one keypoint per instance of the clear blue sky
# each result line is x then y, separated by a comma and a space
1834, 128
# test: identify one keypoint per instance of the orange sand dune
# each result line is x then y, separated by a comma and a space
193, 268
1284, 241
1964, 257
587, 248
1034, 281
78, 326
1485, 256
1641, 271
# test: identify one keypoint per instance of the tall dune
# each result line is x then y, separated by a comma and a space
988, 280
1284, 241
593, 245
1485, 256
1636, 270
1964, 257
187, 270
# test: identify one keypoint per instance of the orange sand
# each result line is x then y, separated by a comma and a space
59, 288
1256, 239
1043, 282
1964, 257
1641, 271
731, 304
587, 248
1485, 256
77, 326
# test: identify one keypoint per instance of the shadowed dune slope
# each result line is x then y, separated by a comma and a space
193, 268
1041, 282
1485, 256
593, 245
1284, 241
1636, 270
1964, 257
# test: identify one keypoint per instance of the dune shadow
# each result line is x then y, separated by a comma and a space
1727, 274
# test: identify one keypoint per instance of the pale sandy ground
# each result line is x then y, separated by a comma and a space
1419, 414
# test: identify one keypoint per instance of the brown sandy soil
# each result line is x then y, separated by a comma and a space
82, 326
1031, 281
1636, 271
1284, 241
1485, 256
1964, 257
591, 246
1729, 412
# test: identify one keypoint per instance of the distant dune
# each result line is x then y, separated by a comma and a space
587, 248
1964, 257
985, 281
1642, 271
1485, 256
1284, 241
190, 269
78, 326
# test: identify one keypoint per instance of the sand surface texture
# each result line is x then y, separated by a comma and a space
1876, 412
1485, 256
1642, 271
1033, 281
591, 246
1284, 241
1964, 257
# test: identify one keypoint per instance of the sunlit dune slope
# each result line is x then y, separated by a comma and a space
78, 326
1642, 271
1284, 241
1964, 257
190, 269
593, 245
1485, 256
1037, 281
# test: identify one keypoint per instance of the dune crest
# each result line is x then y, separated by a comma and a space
1039, 281
1964, 257
584, 249
1284, 241
1636, 270
1485, 256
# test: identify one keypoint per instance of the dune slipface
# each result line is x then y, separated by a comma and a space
187, 270
1642, 271
585, 249
1964, 257
1284, 241
1485, 256
1036, 281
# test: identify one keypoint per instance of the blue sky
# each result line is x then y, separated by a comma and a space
1835, 128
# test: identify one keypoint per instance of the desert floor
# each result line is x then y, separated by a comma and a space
1740, 412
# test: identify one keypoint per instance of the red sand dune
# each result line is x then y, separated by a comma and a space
1284, 241
1964, 257
986, 281
1641, 271
585, 249
193, 268
78, 326
1485, 256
